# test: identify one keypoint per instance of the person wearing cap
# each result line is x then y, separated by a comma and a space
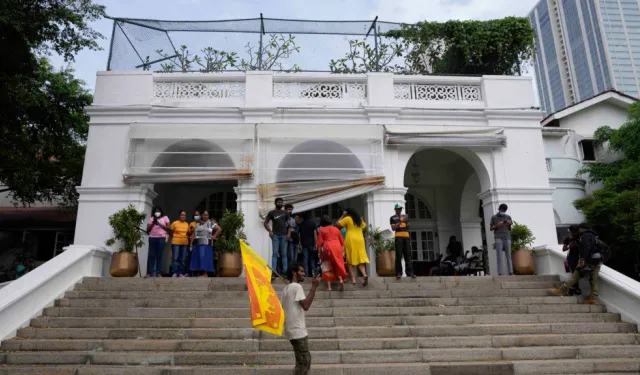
400, 226
501, 226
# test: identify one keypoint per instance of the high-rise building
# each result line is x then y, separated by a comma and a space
585, 47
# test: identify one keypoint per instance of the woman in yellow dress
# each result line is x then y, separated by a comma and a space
354, 244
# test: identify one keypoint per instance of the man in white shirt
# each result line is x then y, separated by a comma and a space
294, 304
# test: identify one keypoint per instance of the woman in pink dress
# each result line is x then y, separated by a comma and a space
330, 244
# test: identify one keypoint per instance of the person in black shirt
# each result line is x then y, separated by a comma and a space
279, 232
400, 226
572, 244
308, 239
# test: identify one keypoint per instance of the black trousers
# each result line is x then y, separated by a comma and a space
403, 249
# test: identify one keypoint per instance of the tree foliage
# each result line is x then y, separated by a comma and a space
268, 56
363, 57
43, 124
614, 209
498, 47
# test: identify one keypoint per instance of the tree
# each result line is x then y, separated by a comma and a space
497, 47
268, 56
43, 124
614, 209
363, 58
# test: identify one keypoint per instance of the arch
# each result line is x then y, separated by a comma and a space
479, 166
469, 199
326, 160
168, 158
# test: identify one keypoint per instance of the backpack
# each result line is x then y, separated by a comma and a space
603, 249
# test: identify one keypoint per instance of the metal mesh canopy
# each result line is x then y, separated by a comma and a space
165, 45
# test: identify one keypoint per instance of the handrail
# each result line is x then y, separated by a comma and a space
620, 293
26, 297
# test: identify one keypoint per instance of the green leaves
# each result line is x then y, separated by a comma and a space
125, 225
497, 47
231, 226
521, 237
614, 209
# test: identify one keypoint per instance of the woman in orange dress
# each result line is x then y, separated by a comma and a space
330, 244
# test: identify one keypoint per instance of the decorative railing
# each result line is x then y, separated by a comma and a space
199, 90
437, 92
320, 90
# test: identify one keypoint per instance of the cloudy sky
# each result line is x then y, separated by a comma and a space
88, 62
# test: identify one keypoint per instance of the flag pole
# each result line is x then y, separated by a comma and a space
279, 275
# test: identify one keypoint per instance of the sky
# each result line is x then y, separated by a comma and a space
87, 63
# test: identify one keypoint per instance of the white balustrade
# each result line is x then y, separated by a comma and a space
320, 90
436, 92
199, 90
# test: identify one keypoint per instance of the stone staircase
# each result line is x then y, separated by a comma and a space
435, 325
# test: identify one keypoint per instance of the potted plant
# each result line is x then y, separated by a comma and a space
521, 240
125, 225
385, 253
228, 244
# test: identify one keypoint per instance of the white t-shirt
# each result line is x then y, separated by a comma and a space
294, 325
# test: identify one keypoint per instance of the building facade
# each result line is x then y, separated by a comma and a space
450, 148
585, 47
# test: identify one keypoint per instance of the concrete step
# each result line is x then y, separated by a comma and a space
195, 284
321, 294
444, 330
243, 302
238, 345
324, 357
556, 367
359, 321
144, 312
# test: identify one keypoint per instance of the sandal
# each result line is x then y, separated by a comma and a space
366, 281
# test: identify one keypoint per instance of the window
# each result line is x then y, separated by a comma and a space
588, 147
416, 208
217, 203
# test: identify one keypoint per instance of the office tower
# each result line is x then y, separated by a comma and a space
585, 47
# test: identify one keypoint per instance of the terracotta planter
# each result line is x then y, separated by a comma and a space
523, 262
123, 264
386, 264
229, 264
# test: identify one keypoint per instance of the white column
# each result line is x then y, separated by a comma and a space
257, 236
380, 204
95, 205
532, 207
471, 233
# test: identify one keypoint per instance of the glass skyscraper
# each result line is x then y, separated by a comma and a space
585, 47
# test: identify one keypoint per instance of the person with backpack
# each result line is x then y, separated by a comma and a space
593, 252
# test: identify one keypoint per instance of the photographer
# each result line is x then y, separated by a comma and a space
589, 262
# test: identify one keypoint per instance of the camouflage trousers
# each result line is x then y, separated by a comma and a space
593, 279
303, 356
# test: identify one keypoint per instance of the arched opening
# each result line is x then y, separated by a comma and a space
190, 155
449, 181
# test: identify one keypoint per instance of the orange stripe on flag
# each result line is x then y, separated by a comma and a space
265, 307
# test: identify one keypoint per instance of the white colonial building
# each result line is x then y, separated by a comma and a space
453, 147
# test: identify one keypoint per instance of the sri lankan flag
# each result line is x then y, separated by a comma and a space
266, 311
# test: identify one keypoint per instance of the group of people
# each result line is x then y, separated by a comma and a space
191, 243
323, 250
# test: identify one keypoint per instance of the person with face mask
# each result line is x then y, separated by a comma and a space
179, 245
206, 233
501, 226
158, 229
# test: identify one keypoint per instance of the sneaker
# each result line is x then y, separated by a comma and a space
555, 292
186, 275
413, 276
174, 275
591, 301
159, 275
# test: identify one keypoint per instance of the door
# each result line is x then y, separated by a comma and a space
423, 245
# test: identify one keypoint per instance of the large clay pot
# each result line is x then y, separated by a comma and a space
123, 264
386, 264
523, 262
229, 264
